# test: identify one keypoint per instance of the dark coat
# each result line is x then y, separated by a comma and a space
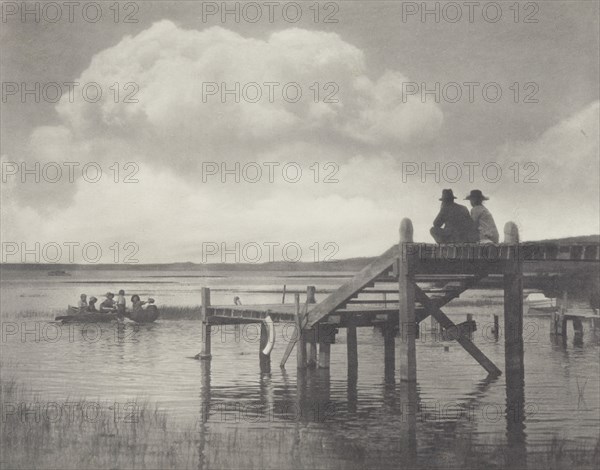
457, 223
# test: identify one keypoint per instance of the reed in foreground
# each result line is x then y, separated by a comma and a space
82, 434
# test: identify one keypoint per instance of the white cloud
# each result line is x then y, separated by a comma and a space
170, 132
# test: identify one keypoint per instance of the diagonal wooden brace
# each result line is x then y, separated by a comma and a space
439, 303
465, 342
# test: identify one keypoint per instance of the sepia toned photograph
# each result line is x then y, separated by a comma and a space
312, 234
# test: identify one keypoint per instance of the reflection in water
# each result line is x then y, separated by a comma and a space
360, 412
404, 415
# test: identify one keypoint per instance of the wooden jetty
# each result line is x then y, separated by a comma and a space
404, 275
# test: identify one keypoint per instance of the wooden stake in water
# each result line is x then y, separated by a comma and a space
205, 347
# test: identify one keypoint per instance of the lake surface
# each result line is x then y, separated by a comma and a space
329, 415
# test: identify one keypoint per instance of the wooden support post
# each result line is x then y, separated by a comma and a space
310, 295
352, 349
513, 351
312, 344
562, 319
263, 359
312, 354
470, 320
513, 307
389, 352
205, 350
406, 305
578, 330
301, 343
433, 324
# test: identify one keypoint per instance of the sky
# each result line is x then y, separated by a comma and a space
335, 133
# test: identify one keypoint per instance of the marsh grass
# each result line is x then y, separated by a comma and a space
149, 439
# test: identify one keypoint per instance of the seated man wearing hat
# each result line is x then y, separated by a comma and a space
453, 224
484, 222
108, 304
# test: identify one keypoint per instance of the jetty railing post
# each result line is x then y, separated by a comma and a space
301, 343
205, 350
406, 305
513, 307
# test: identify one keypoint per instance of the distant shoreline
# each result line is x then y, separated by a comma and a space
349, 264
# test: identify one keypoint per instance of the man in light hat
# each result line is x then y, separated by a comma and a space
453, 224
484, 222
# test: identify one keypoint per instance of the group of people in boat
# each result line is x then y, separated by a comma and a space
454, 223
110, 304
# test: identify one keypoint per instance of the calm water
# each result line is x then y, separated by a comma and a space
336, 417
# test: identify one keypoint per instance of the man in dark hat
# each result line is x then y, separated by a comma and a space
484, 222
108, 304
453, 224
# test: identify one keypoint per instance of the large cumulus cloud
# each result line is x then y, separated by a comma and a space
171, 130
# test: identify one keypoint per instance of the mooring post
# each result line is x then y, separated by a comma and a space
205, 347
264, 360
513, 307
324, 355
406, 304
301, 343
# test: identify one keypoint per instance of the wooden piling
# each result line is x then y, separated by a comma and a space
406, 305
496, 329
311, 344
389, 352
205, 348
513, 307
578, 330
310, 294
352, 349
301, 343
263, 359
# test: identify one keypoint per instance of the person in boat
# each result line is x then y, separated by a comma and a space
482, 218
453, 223
91, 308
121, 303
108, 304
82, 303
137, 304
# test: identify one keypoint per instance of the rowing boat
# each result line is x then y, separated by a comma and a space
74, 314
